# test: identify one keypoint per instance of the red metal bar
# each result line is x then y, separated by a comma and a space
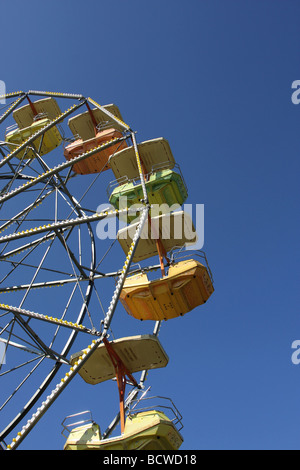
121, 373
92, 117
35, 113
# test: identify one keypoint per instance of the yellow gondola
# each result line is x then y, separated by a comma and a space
30, 119
137, 353
43, 144
148, 430
187, 285
153, 153
120, 359
175, 229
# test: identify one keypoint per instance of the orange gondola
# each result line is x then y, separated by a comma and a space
187, 285
99, 161
90, 130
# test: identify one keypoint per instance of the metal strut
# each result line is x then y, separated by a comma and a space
92, 118
121, 373
64, 224
12, 107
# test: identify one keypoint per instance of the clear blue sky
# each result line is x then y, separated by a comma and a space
214, 78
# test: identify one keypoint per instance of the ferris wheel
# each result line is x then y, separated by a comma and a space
53, 161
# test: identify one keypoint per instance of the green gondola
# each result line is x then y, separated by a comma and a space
163, 187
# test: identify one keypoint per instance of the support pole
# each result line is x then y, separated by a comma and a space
92, 118
35, 113
13, 106
121, 373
